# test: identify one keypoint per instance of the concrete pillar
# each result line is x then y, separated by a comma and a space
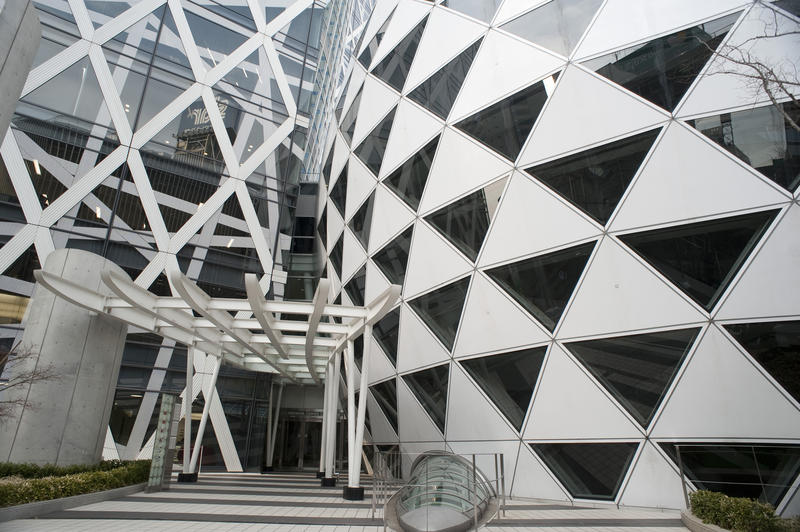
19, 39
64, 420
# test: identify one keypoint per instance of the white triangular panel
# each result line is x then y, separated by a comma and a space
380, 12
353, 255
377, 100
412, 129
416, 346
336, 283
446, 35
559, 222
380, 367
453, 174
620, 294
382, 431
513, 8
769, 286
415, 424
491, 322
405, 19
390, 216
688, 178
532, 479
359, 185
376, 283
585, 110
727, 84
502, 66
654, 483
614, 29
568, 405
335, 224
431, 262
722, 395
484, 457
470, 416
340, 154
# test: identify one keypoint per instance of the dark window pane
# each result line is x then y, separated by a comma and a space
322, 227
409, 180
792, 6
505, 125
361, 221
544, 284
480, 9
701, 258
355, 287
348, 125
638, 369
123, 414
430, 387
557, 25
338, 193
441, 310
336, 256
466, 221
385, 394
369, 52
740, 470
372, 149
393, 257
358, 352
763, 138
326, 170
662, 70
594, 180
438, 93
393, 69
385, 333
508, 379
776, 346
588, 470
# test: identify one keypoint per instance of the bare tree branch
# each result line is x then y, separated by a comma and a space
20, 370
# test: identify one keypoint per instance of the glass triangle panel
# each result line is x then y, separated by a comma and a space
595, 180
466, 221
326, 169
253, 81
701, 258
369, 52
361, 222
22, 269
386, 333
160, 286
408, 181
170, 54
356, 285
508, 379
637, 370
557, 25
757, 471
322, 228
441, 310
47, 186
348, 125
336, 255
543, 285
393, 69
480, 9
588, 470
505, 125
662, 70
430, 388
385, 394
373, 147
393, 257
776, 346
102, 11
338, 192
792, 6
438, 93
214, 41
56, 15
761, 138
358, 355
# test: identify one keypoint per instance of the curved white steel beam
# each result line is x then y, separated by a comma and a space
319, 301
264, 317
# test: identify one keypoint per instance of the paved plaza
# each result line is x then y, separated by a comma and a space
248, 501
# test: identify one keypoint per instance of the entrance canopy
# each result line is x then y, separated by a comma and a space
248, 333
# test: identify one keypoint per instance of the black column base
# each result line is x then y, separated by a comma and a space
320, 474
267, 469
353, 494
328, 482
187, 477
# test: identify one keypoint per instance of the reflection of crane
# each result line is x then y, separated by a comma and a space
80, 91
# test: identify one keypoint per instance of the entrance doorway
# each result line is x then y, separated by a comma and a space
298, 442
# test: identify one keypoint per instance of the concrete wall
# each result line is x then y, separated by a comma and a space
64, 419
19, 39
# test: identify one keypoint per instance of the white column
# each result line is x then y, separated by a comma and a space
268, 431
362, 407
333, 414
271, 450
212, 387
187, 410
349, 355
324, 433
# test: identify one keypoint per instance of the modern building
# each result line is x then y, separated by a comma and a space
591, 205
